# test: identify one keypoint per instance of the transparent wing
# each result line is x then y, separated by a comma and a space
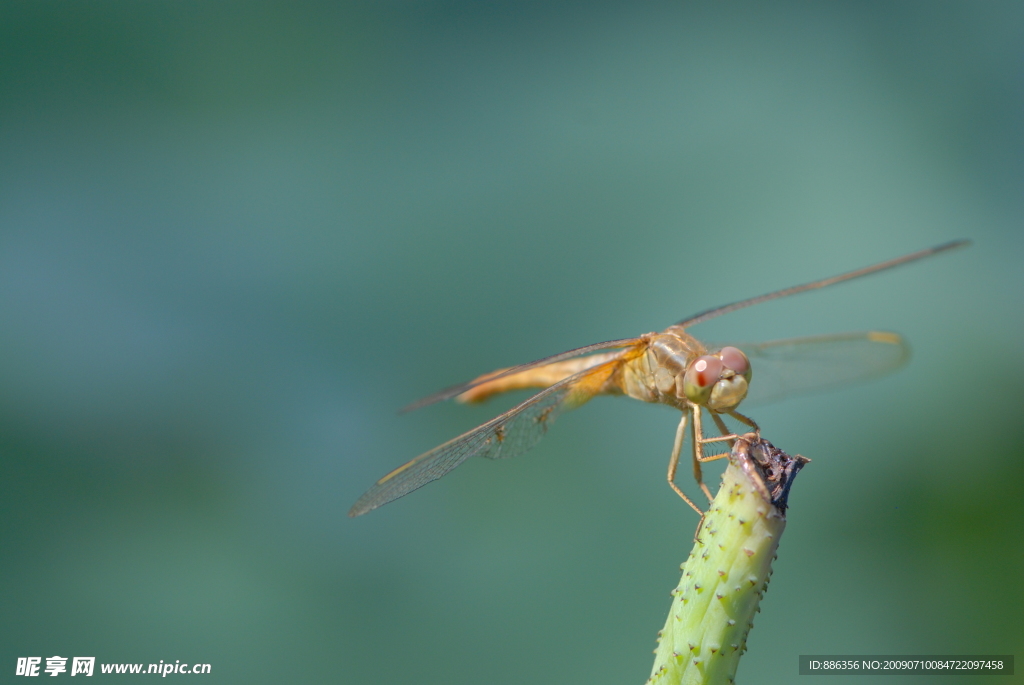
512, 433
783, 368
823, 283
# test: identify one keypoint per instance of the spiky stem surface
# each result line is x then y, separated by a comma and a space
723, 582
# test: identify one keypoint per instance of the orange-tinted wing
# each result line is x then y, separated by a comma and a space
512, 433
456, 390
542, 376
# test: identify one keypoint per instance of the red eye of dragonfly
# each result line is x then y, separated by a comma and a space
735, 360
707, 371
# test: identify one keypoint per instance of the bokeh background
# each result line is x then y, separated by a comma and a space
236, 238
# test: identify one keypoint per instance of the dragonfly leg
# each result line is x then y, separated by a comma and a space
698, 451
700, 524
698, 447
723, 428
673, 463
699, 438
745, 419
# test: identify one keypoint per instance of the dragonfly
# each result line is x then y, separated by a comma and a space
672, 368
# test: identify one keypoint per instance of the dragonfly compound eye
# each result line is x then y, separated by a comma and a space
701, 377
734, 359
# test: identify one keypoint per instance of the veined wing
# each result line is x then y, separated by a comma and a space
456, 390
823, 283
512, 433
782, 368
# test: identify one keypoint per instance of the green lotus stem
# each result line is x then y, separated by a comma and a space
727, 572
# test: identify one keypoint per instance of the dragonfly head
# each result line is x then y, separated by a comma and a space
718, 381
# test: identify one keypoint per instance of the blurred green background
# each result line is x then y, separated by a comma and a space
235, 238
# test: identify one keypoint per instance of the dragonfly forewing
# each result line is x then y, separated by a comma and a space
490, 378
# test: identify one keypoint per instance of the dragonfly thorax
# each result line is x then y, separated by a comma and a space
678, 370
